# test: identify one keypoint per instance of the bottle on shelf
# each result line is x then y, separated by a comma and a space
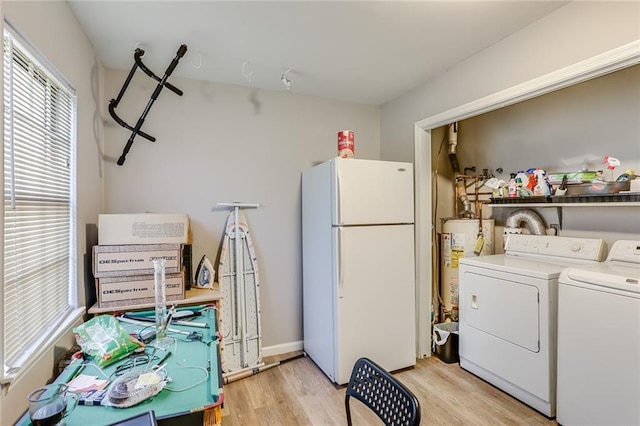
511, 186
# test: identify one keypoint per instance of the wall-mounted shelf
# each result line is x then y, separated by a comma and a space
598, 204
608, 200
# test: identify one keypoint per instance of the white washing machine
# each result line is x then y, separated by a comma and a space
599, 340
508, 313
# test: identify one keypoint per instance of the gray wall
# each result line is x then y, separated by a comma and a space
221, 143
565, 131
575, 32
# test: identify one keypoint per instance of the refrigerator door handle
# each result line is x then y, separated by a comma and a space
338, 220
340, 263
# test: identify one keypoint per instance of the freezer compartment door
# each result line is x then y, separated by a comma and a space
372, 192
376, 297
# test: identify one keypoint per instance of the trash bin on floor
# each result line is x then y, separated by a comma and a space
445, 342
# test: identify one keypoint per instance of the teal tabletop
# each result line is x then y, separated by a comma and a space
192, 368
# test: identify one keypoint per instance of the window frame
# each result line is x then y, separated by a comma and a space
72, 312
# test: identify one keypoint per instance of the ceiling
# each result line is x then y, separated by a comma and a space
367, 52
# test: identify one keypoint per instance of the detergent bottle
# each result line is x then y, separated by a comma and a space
522, 181
531, 184
504, 190
512, 189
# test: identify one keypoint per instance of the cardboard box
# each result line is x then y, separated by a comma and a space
130, 260
128, 291
143, 228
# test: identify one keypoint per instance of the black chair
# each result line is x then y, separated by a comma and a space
382, 393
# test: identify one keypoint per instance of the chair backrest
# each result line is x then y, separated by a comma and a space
382, 393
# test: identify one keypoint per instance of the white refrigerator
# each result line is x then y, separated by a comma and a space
358, 265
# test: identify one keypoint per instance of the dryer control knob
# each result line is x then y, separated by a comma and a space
575, 247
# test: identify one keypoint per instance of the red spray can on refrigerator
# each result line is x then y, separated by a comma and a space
346, 143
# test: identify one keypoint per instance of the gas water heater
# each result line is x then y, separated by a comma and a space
460, 238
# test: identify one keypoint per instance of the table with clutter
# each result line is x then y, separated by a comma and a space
176, 376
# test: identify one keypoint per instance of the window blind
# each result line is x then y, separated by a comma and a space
38, 250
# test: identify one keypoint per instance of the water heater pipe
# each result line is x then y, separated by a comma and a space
461, 191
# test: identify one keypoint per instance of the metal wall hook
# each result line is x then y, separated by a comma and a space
247, 75
199, 62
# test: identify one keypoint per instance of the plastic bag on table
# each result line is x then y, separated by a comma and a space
104, 339
134, 387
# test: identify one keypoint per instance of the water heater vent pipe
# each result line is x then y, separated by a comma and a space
461, 191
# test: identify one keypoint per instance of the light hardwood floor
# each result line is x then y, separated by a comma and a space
296, 392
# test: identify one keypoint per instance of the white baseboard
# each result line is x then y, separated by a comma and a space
282, 348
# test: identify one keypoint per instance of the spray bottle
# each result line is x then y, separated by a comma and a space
542, 186
611, 162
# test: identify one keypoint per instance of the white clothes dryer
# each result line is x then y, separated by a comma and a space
599, 340
508, 313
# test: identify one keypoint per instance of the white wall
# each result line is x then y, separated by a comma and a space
221, 143
573, 33
53, 29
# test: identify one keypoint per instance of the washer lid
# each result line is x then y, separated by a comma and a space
626, 278
517, 265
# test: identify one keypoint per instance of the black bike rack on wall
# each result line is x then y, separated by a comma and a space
162, 82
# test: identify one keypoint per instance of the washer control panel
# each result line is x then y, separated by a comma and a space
625, 251
546, 246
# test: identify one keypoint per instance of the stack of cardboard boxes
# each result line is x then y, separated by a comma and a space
123, 259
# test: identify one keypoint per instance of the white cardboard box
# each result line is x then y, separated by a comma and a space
113, 292
143, 228
129, 260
